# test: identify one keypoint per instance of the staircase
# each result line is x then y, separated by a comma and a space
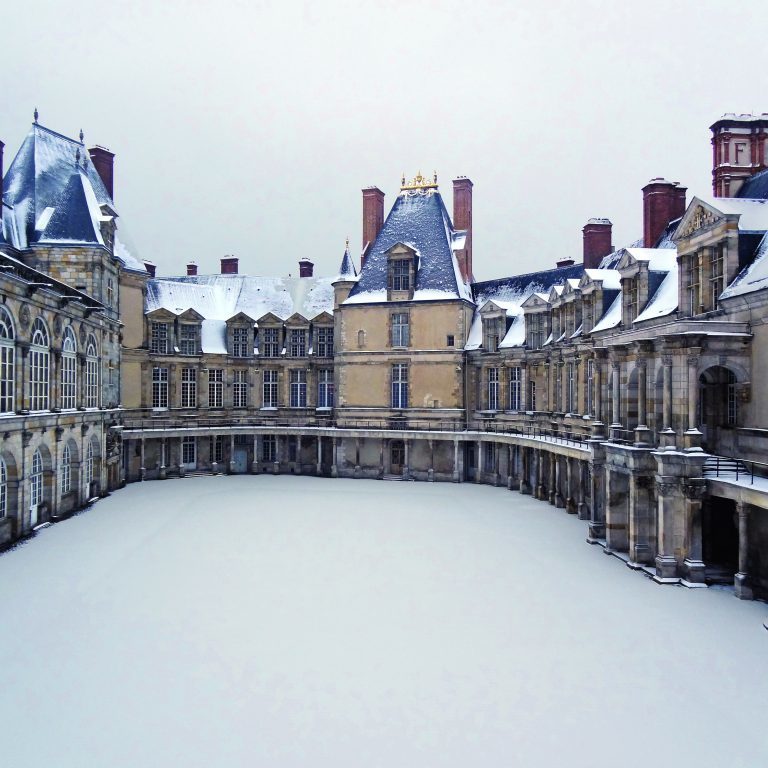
725, 465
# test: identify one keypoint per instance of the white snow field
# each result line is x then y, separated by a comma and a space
294, 621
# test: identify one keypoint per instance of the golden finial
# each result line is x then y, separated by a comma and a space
402, 181
420, 182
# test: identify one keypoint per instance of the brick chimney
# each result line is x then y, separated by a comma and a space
2, 146
229, 265
663, 201
738, 151
306, 268
191, 269
373, 218
462, 219
150, 267
104, 162
597, 241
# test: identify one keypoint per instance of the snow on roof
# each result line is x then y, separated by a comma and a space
515, 336
347, 269
219, 297
76, 215
125, 252
611, 318
753, 277
753, 214
755, 187
664, 301
659, 259
419, 220
610, 278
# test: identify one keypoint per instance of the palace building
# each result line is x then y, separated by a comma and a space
618, 386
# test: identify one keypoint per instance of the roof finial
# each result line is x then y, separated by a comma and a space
402, 181
36, 115
347, 248
434, 176
82, 135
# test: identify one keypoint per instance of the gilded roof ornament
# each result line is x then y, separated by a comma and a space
420, 182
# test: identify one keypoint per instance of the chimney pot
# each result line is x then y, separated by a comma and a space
306, 268
150, 267
229, 265
597, 241
191, 269
373, 218
104, 162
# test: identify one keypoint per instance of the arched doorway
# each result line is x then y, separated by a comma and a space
36, 489
718, 410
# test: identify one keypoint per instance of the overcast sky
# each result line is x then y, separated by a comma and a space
249, 128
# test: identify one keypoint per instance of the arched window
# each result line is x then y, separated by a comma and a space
3, 488
69, 370
7, 361
91, 375
88, 467
39, 367
35, 487
66, 470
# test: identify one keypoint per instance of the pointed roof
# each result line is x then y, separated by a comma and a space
347, 269
418, 219
37, 178
74, 217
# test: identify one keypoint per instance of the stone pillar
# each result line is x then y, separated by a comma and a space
232, 454
552, 478
692, 436
596, 471
598, 426
668, 499
510, 467
182, 471
431, 471
570, 504
741, 580
163, 470
334, 465
407, 465
616, 511
616, 400
583, 471
456, 474
357, 457
525, 471
479, 462
642, 521
255, 462
642, 433
319, 462
538, 471
142, 469
667, 435
693, 565
276, 462
523, 386
559, 498
496, 473
381, 458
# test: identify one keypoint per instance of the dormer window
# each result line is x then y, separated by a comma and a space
270, 342
158, 340
324, 342
633, 299
298, 342
493, 333
189, 339
401, 274
536, 329
241, 342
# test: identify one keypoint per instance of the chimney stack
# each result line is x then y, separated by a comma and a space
306, 268
150, 267
104, 162
462, 219
229, 265
663, 201
191, 269
2, 146
597, 241
373, 218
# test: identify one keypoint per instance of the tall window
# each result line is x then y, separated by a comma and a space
241, 342
3, 488
188, 335
400, 329
110, 293
692, 284
91, 375
189, 388
532, 395
270, 338
515, 381
7, 362
39, 367
215, 387
159, 387
558, 393
298, 344
325, 342
325, 389
69, 370
298, 380
36, 480
400, 385
570, 372
88, 467
632, 288
158, 338
270, 389
491, 334
401, 276
217, 448
716, 281
189, 451
240, 388
493, 389
590, 393
536, 325
733, 411
66, 470
269, 448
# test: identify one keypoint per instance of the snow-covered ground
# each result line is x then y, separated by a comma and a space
290, 621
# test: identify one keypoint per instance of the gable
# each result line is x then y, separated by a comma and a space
241, 318
698, 216
190, 316
323, 318
270, 319
161, 315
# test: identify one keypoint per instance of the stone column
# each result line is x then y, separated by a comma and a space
559, 498
456, 474
741, 580
319, 463
553, 477
693, 566
616, 400
642, 521
479, 462
163, 470
142, 469
431, 471
598, 427
583, 472
545, 393
510, 465
381, 458
667, 435
232, 454
616, 512
182, 471
407, 465
276, 463
596, 470
692, 436
255, 463
538, 470
525, 471
570, 504
642, 433
523, 386
334, 465
357, 457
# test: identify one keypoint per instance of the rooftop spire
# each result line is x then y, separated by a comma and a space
36, 114
82, 135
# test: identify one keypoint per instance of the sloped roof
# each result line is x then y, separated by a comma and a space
347, 269
74, 217
753, 277
664, 300
755, 187
419, 220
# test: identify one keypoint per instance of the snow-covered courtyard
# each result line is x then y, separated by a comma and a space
293, 621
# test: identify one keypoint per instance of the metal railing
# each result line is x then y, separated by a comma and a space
729, 467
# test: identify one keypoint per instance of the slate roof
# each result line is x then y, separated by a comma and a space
755, 187
419, 220
347, 269
519, 287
